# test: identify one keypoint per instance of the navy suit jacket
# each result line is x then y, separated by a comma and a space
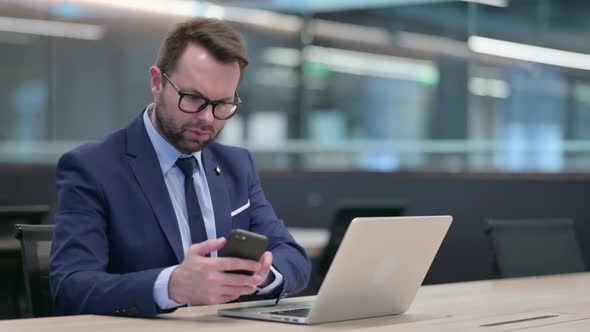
116, 229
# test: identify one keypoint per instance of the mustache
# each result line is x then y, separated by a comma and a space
197, 126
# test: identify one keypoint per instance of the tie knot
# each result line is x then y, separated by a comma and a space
187, 165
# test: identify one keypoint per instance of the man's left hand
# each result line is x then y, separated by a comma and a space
264, 272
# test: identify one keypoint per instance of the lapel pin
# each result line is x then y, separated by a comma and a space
217, 170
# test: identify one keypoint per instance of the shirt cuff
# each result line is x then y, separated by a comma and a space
273, 285
161, 289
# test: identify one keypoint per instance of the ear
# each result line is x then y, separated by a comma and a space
156, 81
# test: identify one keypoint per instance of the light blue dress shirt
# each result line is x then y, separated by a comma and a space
167, 156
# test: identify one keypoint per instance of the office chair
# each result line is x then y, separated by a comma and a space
535, 247
35, 243
34, 214
345, 213
12, 293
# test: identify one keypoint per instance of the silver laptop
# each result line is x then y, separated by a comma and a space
377, 271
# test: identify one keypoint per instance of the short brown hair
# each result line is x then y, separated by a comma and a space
218, 37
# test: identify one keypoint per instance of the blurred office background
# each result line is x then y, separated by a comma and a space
479, 109
377, 85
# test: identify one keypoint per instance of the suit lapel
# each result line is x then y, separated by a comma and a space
219, 194
146, 168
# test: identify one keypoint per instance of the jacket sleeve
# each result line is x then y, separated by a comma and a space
289, 258
79, 259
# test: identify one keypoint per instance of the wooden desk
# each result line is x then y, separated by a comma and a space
565, 299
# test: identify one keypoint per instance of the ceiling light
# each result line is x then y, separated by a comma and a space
530, 53
51, 28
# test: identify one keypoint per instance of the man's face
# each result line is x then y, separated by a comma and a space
200, 73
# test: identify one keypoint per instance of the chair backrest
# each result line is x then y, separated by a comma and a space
12, 290
342, 218
35, 243
21, 214
33, 213
535, 247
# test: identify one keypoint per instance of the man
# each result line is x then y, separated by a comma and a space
144, 211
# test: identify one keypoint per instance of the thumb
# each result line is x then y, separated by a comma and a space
206, 247
266, 259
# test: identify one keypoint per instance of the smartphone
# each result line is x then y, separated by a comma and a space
246, 245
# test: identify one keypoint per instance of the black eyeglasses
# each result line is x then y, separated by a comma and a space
194, 103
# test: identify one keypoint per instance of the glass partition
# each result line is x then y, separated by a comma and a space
466, 86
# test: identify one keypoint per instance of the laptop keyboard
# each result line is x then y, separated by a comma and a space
301, 312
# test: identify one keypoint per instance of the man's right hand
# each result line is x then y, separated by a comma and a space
201, 280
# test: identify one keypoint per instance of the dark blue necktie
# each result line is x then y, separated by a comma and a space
195, 218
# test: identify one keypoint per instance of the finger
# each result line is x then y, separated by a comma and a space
262, 274
206, 247
221, 299
232, 264
237, 291
228, 298
266, 259
238, 280
265, 263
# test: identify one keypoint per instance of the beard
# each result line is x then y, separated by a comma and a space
176, 134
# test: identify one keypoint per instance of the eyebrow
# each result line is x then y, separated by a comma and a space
198, 93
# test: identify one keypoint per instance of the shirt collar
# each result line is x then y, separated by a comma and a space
167, 154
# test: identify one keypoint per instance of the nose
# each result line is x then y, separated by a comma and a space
206, 115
